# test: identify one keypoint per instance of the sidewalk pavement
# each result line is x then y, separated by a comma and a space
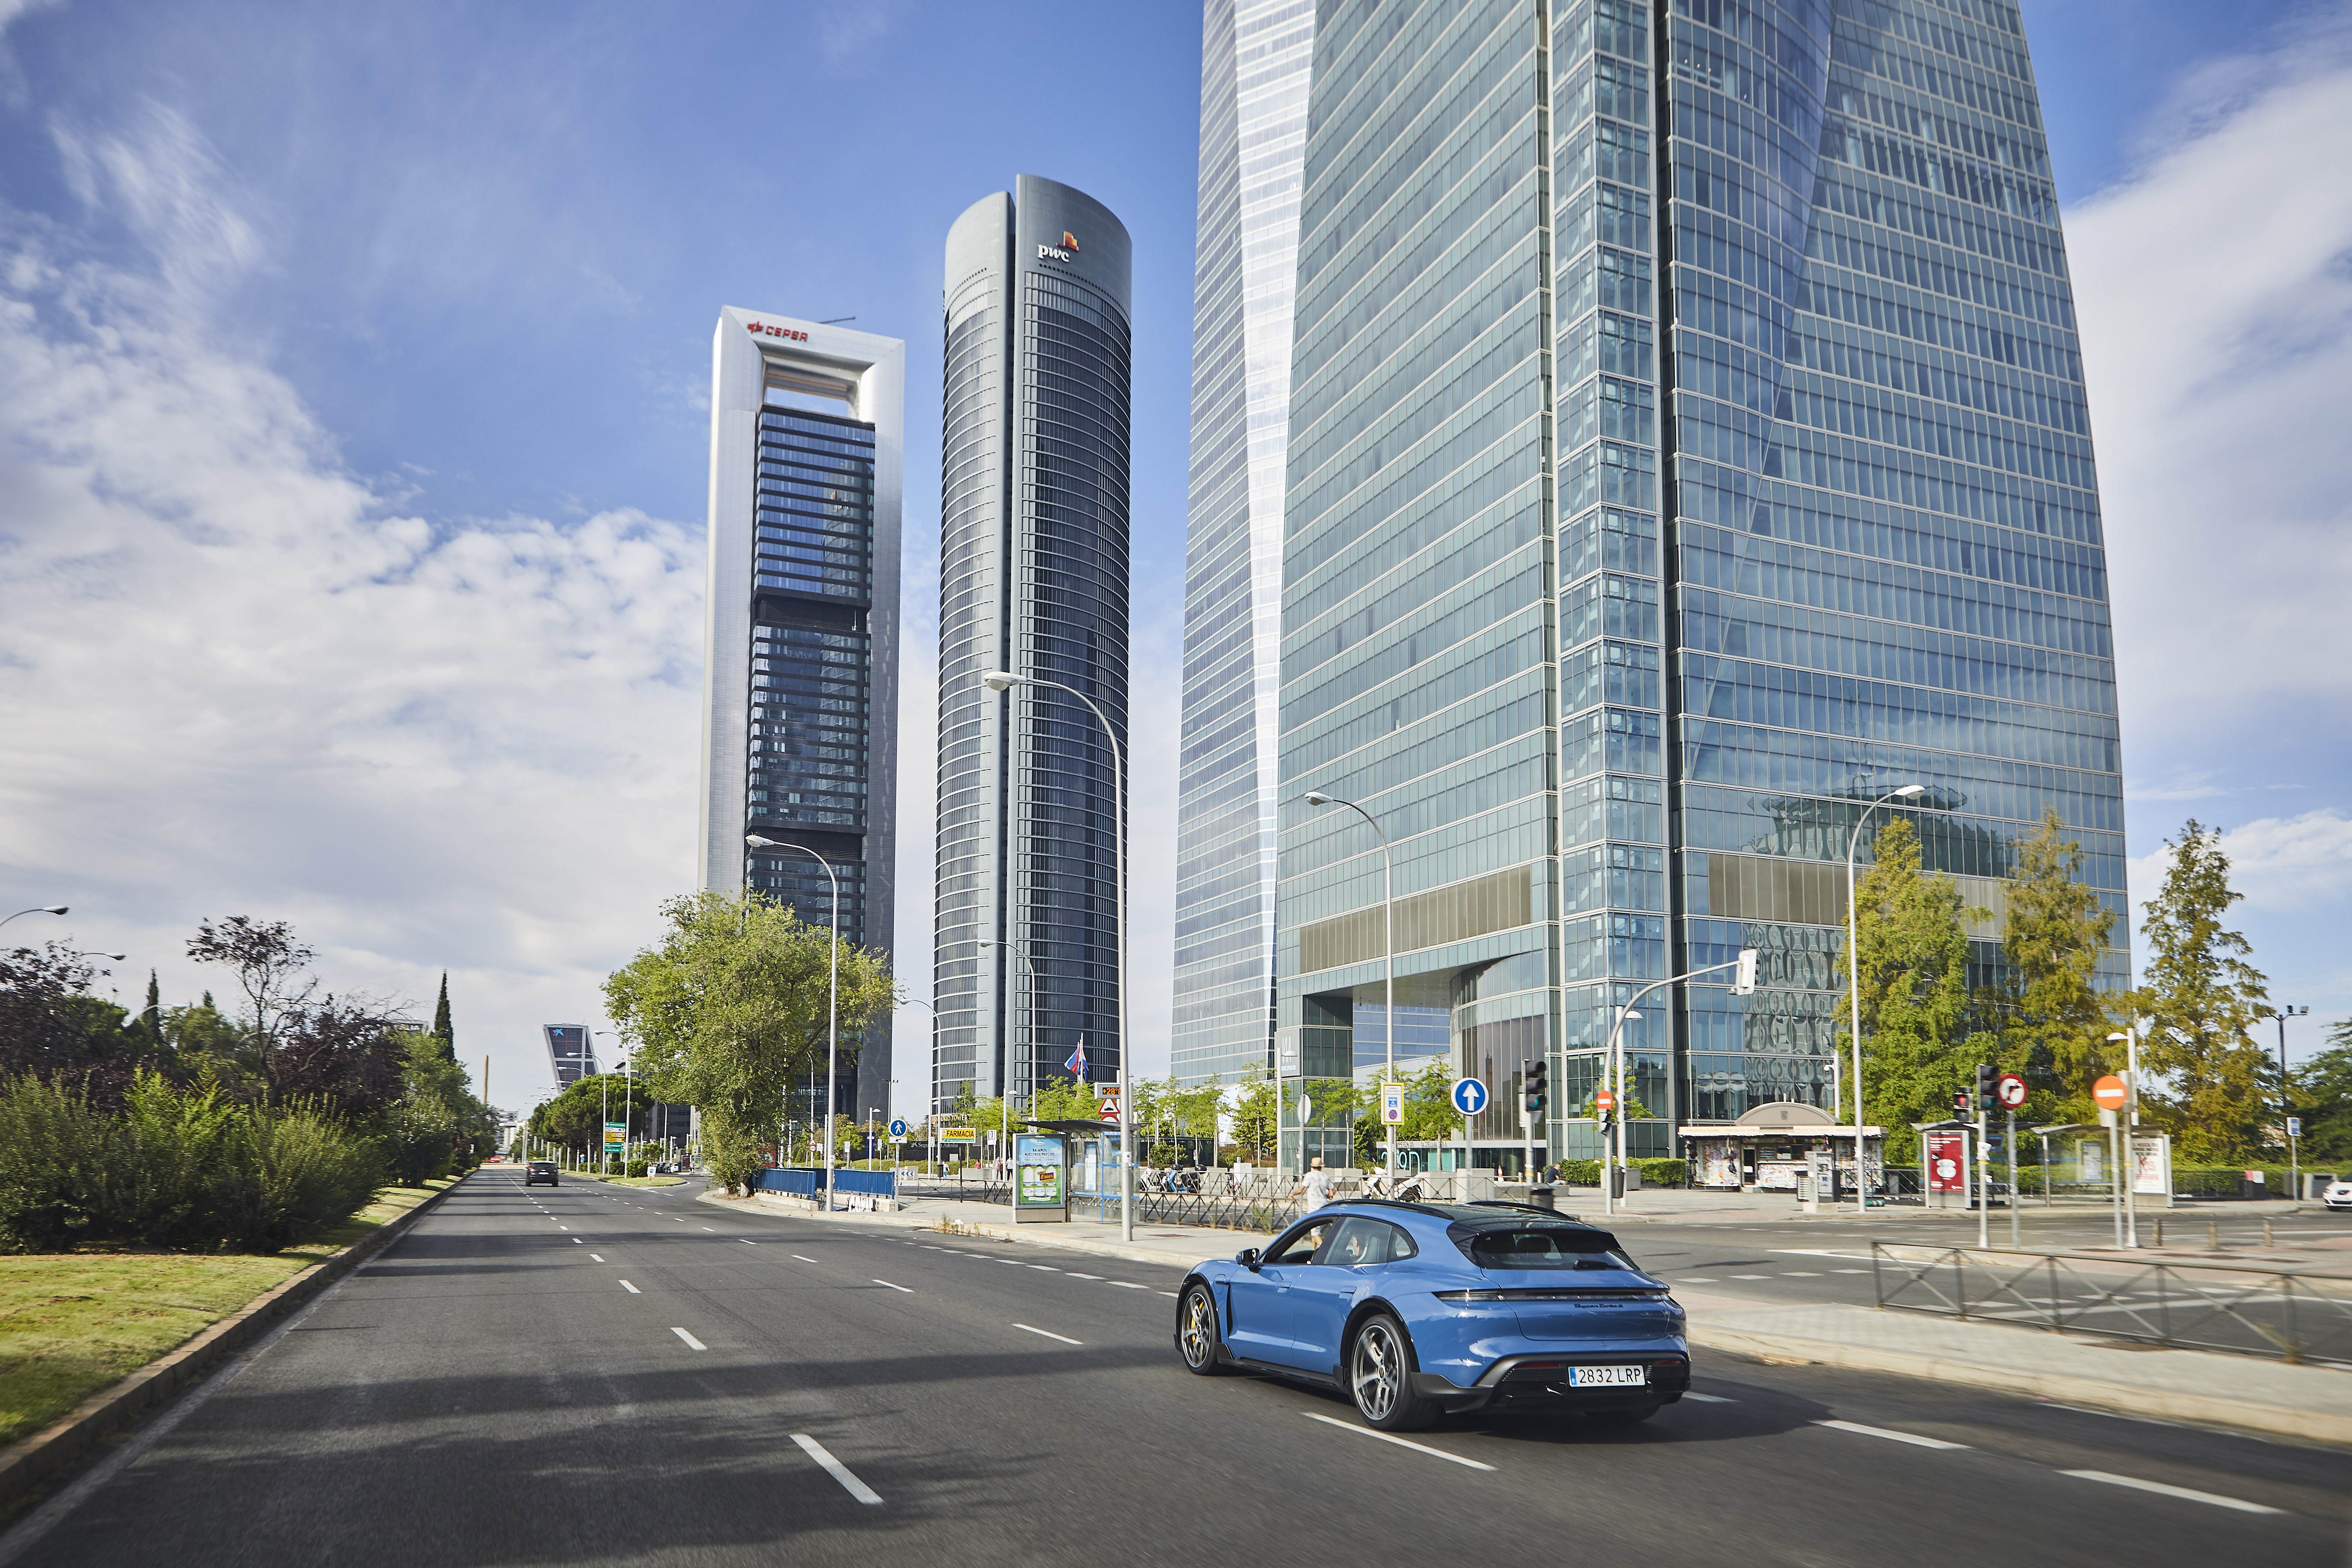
2202, 1388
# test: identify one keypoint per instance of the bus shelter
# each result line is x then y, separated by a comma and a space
1770, 1146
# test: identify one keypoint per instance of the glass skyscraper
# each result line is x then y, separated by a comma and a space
801, 635
1033, 579
1688, 444
1255, 57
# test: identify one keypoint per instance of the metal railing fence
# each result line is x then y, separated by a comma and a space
2243, 1307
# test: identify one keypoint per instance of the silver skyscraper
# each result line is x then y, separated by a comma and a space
1255, 61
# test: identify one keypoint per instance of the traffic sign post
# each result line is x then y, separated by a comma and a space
1470, 1097
2012, 1091
1391, 1103
2112, 1094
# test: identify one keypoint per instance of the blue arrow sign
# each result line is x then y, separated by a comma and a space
1469, 1096
899, 1127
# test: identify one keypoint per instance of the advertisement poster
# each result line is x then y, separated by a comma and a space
2151, 1160
1947, 1161
1037, 1171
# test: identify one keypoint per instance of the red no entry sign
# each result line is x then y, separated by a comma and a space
2111, 1092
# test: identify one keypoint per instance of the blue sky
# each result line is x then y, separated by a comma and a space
352, 367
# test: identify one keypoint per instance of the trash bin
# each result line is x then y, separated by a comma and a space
1543, 1197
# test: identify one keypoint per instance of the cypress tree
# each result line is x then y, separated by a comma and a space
441, 1029
151, 1019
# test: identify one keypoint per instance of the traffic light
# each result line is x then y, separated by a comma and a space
1959, 1102
1532, 1076
1987, 1092
1744, 983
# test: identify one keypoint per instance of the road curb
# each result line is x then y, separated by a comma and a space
29, 1462
905, 1220
2196, 1409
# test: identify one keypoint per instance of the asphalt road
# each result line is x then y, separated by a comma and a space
586, 1376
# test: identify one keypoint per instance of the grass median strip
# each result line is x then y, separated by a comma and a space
71, 1323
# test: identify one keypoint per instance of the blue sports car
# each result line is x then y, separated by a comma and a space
1424, 1310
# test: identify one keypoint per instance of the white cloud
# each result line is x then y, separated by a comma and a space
2216, 305
2283, 864
237, 681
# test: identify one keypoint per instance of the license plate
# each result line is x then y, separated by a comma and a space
1609, 1376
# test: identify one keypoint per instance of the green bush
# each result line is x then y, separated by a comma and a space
1663, 1173
2225, 1181
173, 1170
419, 1142
638, 1168
1655, 1172
54, 1145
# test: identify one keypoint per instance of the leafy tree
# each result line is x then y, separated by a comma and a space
1255, 1119
2201, 1000
1429, 1113
2056, 1020
344, 1053
442, 1031
2323, 1097
212, 1048
1913, 962
269, 965
150, 1020
48, 1021
730, 1007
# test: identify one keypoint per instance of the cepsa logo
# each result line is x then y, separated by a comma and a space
1067, 250
760, 330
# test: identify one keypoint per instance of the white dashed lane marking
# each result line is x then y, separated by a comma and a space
691, 1343
1400, 1442
597, 1256
836, 1469
1048, 1333
632, 1290
901, 1289
1911, 1437
2184, 1493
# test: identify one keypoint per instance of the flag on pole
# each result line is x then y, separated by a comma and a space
1077, 1062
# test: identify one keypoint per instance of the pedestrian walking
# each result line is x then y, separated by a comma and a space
1316, 1184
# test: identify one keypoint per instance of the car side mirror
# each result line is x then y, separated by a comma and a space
1247, 1258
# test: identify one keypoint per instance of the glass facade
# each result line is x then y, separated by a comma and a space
1689, 444
800, 671
1255, 62
1033, 579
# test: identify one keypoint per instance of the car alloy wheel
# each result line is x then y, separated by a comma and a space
1379, 1375
1196, 1331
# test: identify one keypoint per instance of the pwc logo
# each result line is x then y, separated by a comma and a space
1065, 251
757, 329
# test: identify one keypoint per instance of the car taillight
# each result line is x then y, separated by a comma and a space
1460, 1296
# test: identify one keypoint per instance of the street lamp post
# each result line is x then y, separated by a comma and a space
2127, 1169
832, 1002
1001, 680
2287, 1106
1616, 1068
1388, 948
37, 910
1854, 984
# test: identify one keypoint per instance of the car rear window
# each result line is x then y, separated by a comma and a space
1540, 1247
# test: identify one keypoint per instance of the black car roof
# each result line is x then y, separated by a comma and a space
1484, 1214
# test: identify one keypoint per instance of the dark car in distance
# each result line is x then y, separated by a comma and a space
540, 1170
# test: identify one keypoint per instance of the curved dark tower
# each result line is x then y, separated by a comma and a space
1033, 579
